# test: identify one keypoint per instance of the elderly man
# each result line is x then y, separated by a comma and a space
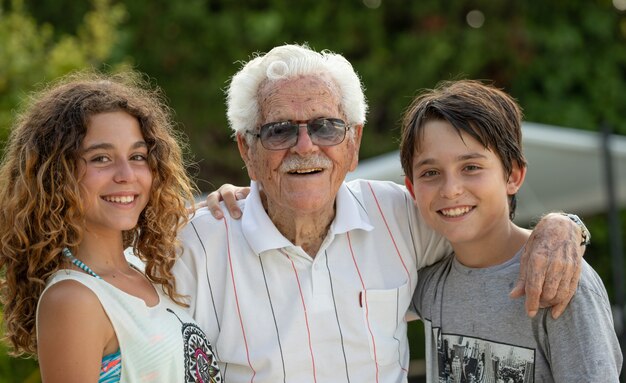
313, 283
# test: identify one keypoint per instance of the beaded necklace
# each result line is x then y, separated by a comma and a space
78, 263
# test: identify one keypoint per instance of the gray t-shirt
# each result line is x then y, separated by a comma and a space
476, 333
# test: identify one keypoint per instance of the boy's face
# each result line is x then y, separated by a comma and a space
460, 187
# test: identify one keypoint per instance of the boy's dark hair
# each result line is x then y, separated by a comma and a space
484, 112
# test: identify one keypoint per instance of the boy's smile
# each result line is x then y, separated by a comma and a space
461, 188
456, 211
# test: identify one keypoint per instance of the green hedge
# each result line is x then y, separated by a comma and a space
564, 62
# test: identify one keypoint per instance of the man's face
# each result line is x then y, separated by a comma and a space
305, 178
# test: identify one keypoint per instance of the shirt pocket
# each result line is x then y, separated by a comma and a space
384, 316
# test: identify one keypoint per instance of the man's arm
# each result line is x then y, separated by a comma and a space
551, 264
228, 193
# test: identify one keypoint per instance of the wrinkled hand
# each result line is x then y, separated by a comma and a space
230, 194
551, 265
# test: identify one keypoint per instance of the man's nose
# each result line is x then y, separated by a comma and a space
305, 143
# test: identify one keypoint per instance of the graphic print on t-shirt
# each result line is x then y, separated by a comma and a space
200, 363
465, 359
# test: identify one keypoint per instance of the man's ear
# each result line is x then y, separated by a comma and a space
356, 145
409, 186
244, 151
516, 178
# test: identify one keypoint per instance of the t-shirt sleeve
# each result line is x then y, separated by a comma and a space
581, 345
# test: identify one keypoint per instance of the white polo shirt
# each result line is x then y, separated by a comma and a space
274, 314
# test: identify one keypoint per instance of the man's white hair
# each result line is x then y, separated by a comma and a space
290, 61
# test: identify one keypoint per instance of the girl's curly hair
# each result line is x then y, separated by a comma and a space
40, 190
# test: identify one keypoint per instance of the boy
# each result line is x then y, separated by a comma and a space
462, 156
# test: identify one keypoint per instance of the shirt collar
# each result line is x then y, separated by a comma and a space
262, 235
351, 214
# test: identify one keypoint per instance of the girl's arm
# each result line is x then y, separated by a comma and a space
73, 333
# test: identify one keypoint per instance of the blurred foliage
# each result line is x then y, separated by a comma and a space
565, 62
14, 370
31, 53
598, 254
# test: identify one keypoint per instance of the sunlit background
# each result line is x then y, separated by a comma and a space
564, 61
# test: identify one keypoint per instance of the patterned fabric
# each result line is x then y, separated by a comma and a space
111, 368
274, 314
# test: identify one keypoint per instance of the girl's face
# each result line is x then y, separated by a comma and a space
114, 173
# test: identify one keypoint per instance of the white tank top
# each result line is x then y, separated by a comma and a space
158, 344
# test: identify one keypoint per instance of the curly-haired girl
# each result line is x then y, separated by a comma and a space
92, 167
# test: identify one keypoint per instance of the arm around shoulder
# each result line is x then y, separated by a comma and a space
551, 263
73, 334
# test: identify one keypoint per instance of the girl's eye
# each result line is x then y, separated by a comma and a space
101, 159
139, 157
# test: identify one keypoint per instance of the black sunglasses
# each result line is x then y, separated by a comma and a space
282, 135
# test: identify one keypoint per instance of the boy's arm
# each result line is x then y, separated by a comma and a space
551, 264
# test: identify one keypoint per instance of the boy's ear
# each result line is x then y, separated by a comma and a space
516, 178
409, 186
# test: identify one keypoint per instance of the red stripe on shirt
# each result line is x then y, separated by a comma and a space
394, 243
391, 235
232, 277
306, 317
367, 318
